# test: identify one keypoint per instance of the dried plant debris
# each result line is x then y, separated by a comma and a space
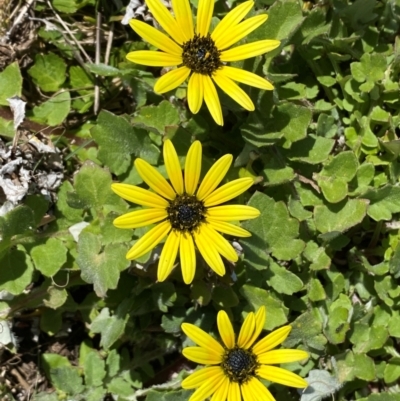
138, 8
35, 167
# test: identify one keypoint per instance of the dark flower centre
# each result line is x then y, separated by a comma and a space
239, 364
186, 212
201, 55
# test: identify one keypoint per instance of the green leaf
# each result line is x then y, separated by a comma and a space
56, 297
321, 384
16, 271
200, 292
63, 208
69, 6
111, 234
111, 327
164, 295
17, 221
282, 280
307, 330
105, 70
316, 290
370, 68
118, 140
49, 257
120, 387
225, 297
275, 171
50, 322
53, 111
257, 297
54, 361
392, 370
333, 189
157, 117
6, 126
317, 255
394, 325
67, 379
312, 149
39, 206
94, 368
287, 120
340, 216
93, 189
337, 326
344, 166
181, 395
383, 202
366, 338
10, 83
284, 18
274, 231
364, 367
48, 72
100, 266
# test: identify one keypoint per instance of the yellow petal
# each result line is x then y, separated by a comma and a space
149, 241
228, 191
249, 50
204, 15
183, 15
233, 90
247, 330
272, 340
171, 80
258, 391
207, 388
188, 258
201, 338
209, 252
247, 392
168, 255
212, 100
154, 179
228, 228
281, 376
214, 176
202, 355
173, 166
139, 195
282, 356
232, 212
222, 390
260, 320
234, 392
195, 93
225, 329
154, 58
140, 218
196, 379
246, 77
241, 30
220, 243
165, 19
231, 19
193, 167
155, 37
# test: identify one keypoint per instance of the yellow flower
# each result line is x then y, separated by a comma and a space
185, 214
238, 364
203, 54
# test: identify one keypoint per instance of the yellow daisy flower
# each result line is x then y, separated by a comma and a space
185, 214
201, 56
238, 364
